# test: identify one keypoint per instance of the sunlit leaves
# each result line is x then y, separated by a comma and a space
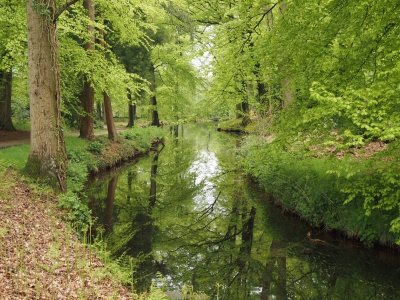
13, 47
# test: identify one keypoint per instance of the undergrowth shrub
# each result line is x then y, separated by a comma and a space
142, 138
308, 187
80, 163
77, 213
96, 147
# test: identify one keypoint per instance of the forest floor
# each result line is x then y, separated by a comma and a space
14, 138
40, 257
20, 137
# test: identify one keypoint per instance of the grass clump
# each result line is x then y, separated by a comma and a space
142, 138
16, 156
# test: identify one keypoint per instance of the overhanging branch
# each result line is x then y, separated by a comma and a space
62, 8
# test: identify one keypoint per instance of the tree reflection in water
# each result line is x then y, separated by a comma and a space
190, 214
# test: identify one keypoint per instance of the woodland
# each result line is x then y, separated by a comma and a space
314, 83
313, 87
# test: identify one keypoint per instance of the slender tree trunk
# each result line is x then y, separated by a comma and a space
112, 186
87, 96
155, 121
132, 115
86, 127
47, 157
153, 182
287, 91
99, 115
5, 101
131, 111
247, 237
112, 132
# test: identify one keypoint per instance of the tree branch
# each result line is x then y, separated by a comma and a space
62, 8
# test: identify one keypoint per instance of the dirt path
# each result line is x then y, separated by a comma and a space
20, 137
14, 138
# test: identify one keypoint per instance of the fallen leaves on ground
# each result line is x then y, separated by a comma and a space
40, 257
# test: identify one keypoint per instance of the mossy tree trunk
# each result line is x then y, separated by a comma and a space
47, 157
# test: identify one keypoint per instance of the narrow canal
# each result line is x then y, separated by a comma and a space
188, 213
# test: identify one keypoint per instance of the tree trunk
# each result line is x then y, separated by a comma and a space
112, 132
47, 157
112, 186
153, 182
132, 115
155, 121
86, 128
87, 96
99, 114
287, 91
5, 101
131, 111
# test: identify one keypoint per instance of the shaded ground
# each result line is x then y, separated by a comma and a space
20, 137
40, 257
14, 138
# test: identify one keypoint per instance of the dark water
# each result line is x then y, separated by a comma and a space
188, 213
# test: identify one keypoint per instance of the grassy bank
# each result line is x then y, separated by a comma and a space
353, 191
41, 256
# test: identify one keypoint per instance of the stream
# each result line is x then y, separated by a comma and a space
193, 223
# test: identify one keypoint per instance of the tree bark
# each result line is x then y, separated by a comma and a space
5, 101
112, 132
87, 96
112, 186
155, 121
153, 182
131, 111
47, 157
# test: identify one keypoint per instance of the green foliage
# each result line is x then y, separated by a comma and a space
377, 185
80, 163
142, 138
96, 147
77, 212
360, 200
42, 9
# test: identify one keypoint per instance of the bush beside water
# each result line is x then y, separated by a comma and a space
346, 195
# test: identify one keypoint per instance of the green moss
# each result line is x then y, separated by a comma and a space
244, 125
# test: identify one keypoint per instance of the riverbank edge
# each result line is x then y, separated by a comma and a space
304, 187
111, 155
370, 230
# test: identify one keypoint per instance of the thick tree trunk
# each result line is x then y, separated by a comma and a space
5, 101
87, 95
47, 157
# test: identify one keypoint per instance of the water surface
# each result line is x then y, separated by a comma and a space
188, 213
